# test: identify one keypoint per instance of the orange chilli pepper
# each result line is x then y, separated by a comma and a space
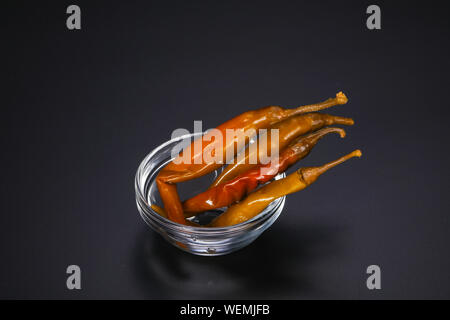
287, 131
257, 201
234, 190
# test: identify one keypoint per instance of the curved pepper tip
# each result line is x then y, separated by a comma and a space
341, 132
357, 153
341, 98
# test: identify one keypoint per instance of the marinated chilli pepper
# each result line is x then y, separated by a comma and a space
234, 190
287, 130
163, 214
257, 201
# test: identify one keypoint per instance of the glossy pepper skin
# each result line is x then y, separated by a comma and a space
288, 130
257, 201
176, 172
234, 190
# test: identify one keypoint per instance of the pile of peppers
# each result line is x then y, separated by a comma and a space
237, 186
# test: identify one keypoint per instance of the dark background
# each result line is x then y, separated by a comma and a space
81, 109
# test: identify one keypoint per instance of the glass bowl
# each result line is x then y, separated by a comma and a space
195, 240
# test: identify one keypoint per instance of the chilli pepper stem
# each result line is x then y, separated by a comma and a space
340, 98
312, 173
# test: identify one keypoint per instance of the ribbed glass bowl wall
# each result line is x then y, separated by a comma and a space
195, 240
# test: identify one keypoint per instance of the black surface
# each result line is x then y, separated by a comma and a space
80, 110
